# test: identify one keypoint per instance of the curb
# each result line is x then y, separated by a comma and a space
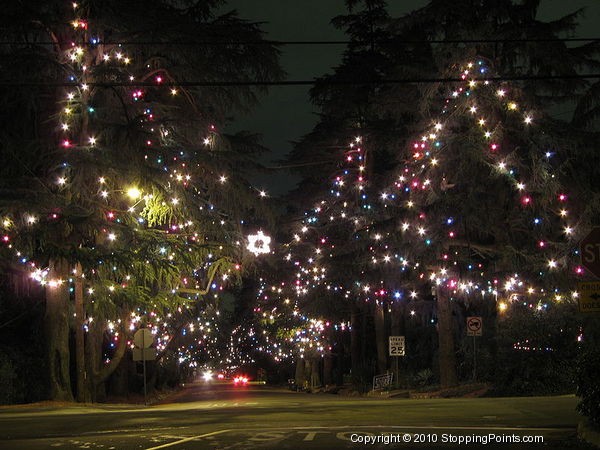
388, 394
586, 433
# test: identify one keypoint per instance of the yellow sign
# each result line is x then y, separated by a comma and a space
589, 296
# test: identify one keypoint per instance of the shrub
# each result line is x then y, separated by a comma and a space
537, 350
8, 378
423, 378
588, 385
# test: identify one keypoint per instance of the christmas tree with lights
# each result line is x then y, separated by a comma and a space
121, 191
481, 206
467, 228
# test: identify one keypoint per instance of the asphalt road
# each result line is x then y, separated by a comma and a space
257, 417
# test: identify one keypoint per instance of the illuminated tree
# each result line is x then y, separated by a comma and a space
119, 179
464, 204
480, 204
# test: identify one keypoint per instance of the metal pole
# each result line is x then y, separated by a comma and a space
397, 372
144, 364
474, 358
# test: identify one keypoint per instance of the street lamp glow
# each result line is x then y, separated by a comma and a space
134, 193
207, 375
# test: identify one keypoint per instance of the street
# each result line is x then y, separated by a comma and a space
222, 416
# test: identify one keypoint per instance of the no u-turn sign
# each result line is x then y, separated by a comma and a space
474, 326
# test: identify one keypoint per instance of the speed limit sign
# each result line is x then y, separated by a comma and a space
397, 347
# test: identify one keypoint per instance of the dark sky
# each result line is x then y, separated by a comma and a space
286, 114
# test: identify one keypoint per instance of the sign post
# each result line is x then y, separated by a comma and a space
474, 328
397, 348
143, 340
589, 248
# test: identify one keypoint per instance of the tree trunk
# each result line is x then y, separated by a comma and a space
93, 352
447, 356
364, 361
308, 363
380, 338
153, 382
57, 332
397, 322
356, 363
315, 375
97, 371
300, 372
398, 328
119, 382
328, 370
107, 369
79, 336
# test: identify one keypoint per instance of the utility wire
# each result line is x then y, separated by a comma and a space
275, 42
334, 82
28, 310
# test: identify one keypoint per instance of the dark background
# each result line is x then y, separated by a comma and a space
286, 114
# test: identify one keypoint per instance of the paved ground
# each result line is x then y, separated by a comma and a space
257, 417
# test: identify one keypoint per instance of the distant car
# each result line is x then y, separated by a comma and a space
240, 381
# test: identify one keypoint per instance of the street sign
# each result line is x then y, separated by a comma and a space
590, 251
144, 354
396, 346
474, 326
589, 296
143, 338
382, 381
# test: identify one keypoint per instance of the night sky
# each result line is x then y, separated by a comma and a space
286, 113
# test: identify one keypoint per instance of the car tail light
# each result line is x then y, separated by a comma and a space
240, 380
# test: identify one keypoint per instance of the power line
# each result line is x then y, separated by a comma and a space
281, 43
241, 83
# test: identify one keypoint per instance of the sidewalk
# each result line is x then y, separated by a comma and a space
462, 391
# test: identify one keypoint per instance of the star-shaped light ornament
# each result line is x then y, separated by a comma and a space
259, 243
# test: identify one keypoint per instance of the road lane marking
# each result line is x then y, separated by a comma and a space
181, 441
316, 433
419, 427
126, 430
342, 435
268, 436
310, 435
310, 429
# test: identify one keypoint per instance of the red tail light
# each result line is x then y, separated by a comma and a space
240, 380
